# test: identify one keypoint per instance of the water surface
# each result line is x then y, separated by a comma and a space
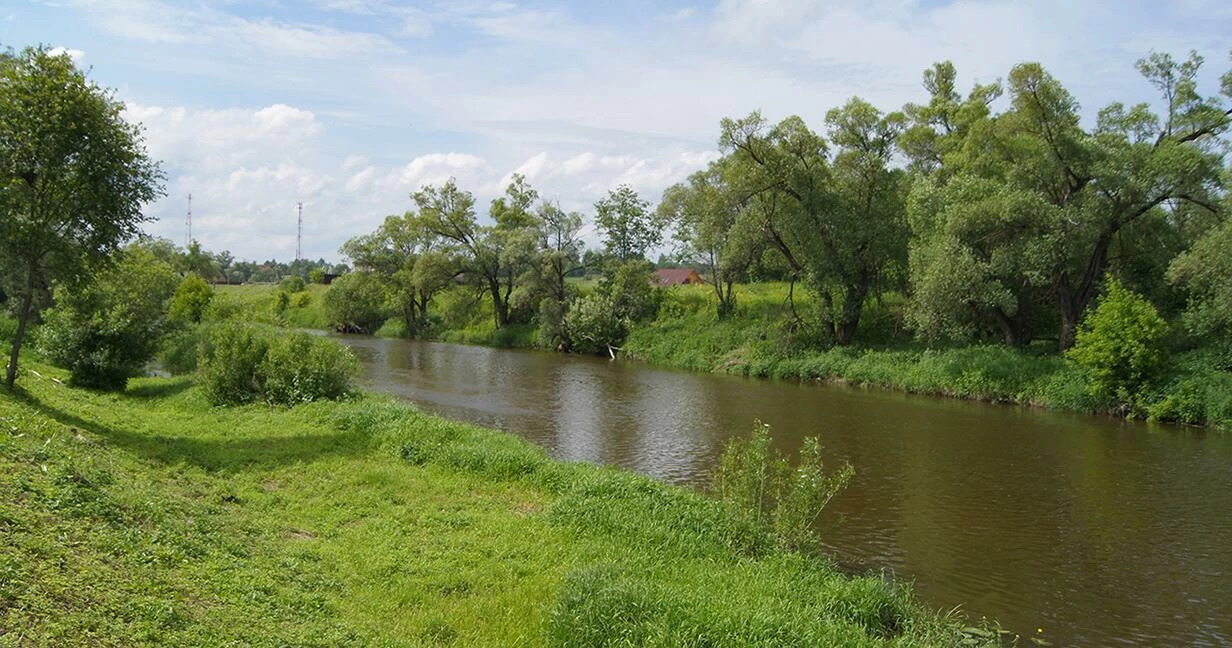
1098, 531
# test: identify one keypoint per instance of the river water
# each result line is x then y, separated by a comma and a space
1095, 530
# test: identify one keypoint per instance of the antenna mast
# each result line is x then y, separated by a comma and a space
188, 224
299, 233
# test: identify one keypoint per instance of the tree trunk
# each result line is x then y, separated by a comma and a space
26, 303
1013, 331
1071, 314
853, 306
1074, 302
827, 314
499, 307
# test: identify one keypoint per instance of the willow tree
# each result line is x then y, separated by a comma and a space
1022, 210
494, 257
410, 264
74, 177
836, 219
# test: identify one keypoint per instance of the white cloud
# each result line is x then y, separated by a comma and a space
352, 112
77, 55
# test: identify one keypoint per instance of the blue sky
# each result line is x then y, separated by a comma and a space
350, 105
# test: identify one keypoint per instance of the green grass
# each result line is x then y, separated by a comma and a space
151, 517
1196, 388
260, 302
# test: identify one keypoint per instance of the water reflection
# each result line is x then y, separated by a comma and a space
1099, 531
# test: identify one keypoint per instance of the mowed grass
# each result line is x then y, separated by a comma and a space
151, 517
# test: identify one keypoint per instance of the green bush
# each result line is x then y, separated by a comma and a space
1120, 345
299, 368
355, 303
229, 362
594, 325
760, 486
8, 328
191, 299
178, 352
292, 284
242, 363
105, 330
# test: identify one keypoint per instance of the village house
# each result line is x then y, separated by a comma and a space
676, 277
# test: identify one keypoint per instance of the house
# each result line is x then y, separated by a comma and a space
676, 277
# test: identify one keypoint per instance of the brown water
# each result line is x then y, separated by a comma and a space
1099, 531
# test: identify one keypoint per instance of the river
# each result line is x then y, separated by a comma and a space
1095, 530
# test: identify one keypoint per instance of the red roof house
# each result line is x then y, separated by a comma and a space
676, 277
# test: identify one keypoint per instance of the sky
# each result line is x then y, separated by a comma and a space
349, 106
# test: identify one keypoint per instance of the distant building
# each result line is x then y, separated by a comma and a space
676, 277
328, 278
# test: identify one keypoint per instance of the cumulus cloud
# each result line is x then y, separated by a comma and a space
351, 106
77, 55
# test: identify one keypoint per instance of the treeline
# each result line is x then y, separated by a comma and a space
995, 212
224, 268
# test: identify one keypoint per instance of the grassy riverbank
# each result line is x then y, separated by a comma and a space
756, 341
150, 516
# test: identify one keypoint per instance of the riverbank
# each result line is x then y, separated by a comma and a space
756, 342
150, 516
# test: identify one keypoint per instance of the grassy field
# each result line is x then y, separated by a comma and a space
260, 302
150, 516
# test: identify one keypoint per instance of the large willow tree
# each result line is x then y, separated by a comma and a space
1019, 213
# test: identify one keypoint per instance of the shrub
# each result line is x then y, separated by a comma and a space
757, 482
300, 368
594, 325
179, 349
105, 330
229, 363
292, 284
355, 303
1120, 344
190, 300
8, 328
242, 363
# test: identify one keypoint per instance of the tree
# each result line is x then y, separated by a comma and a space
1037, 207
705, 213
73, 178
355, 303
1205, 274
628, 229
490, 256
196, 260
192, 296
836, 220
105, 329
559, 256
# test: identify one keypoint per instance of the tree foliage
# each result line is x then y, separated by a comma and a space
1120, 344
105, 329
73, 178
626, 223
